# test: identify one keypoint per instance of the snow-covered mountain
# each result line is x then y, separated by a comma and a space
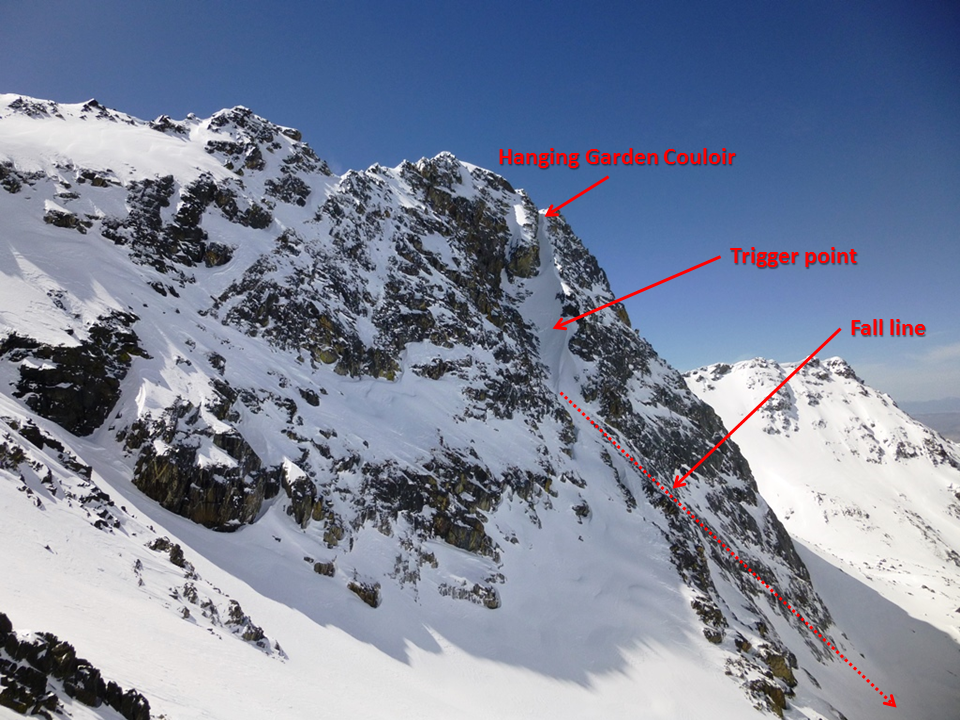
853, 477
273, 436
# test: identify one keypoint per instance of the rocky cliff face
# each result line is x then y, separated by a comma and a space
370, 356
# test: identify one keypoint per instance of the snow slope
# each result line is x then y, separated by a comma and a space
230, 376
865, 486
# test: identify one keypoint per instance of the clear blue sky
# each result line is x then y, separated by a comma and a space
845, 121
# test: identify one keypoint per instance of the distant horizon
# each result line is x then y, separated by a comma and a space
943, 405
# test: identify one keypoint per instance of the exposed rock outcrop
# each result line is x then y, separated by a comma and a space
36, 668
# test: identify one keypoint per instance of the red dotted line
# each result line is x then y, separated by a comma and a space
697, 521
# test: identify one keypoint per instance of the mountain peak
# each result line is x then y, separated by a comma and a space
243, 118
341, 396
842, 464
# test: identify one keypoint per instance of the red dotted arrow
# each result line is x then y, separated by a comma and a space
888, 699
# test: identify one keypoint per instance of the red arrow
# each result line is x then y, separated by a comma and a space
562, 324
679, 481
891, 702
555, 211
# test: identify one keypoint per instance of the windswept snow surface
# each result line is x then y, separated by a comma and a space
340, 657
594, 618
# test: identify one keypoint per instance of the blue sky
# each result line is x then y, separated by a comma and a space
845, 121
